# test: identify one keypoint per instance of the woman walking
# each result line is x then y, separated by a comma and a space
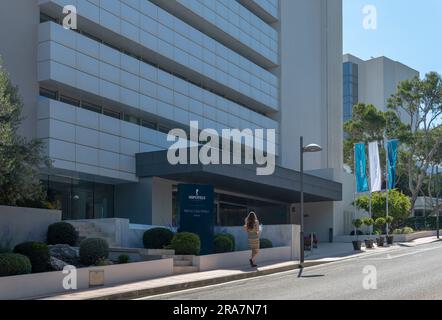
251, 226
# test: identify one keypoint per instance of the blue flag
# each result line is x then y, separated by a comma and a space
361, 168
392, 146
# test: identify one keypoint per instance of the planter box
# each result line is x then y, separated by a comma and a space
51, 283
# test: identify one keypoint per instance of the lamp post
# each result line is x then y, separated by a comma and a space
304, 149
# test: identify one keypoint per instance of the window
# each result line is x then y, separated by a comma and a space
91, 107
70, 101
149, 124
46, 18
131, 119
111, 113
163, 129
48, 93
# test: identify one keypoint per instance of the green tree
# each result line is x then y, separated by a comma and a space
421, 101
399, 205
20, 158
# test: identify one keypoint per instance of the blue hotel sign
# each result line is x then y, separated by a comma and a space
196, 213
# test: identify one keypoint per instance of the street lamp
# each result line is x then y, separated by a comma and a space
304, 149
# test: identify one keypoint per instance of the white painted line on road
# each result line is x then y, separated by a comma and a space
390, 257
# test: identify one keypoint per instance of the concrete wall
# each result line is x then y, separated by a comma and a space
25, 224
147, 202
19, 21
51, 283
240, 258
311, 81
280, 235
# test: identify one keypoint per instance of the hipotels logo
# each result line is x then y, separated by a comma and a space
197, 196
207, 148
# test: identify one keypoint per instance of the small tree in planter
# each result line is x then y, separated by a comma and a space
390, 238
357, 223
380, 223
369, 223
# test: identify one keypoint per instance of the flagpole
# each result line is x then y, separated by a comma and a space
386, 180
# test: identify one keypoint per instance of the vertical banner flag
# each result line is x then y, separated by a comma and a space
392, 146
360, 168
375, 167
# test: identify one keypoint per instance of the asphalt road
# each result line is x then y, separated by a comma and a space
405, 273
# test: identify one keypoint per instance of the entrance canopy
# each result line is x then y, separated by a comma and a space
284, 185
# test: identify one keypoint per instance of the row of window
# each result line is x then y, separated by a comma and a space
47, 18
147, 123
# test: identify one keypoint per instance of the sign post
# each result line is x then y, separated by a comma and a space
196, 213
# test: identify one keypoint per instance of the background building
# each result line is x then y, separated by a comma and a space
372, 82
105, 95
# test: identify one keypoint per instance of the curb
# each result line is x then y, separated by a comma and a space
201, 283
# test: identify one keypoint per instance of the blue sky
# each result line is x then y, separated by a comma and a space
408, 31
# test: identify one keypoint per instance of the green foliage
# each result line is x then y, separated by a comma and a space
389, 219
123, 259
380, 222
62, 233
157, 238
399, 205
20, 159
230, 236
12, 264
37, 252
186, 243
265, 243
92, 250
357, 223
368, 221
406, 230
222, 243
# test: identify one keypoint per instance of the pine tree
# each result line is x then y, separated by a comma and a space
20, 158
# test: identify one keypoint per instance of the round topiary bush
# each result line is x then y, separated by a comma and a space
157, 238
222, 243
186, 243
12, 264
265, 243
93, 250
38, 254
230, 236
62, 233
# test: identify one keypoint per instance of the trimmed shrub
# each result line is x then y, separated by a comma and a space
186, 243
265, 243
12, 264
359, 233
230, 236
157, 238
38, 254
123, 258
222, 243
406, 230
92, 250
62, 233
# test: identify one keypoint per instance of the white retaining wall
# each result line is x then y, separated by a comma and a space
19, 224
51, 283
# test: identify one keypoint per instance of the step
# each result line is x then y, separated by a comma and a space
184, 269
182, 263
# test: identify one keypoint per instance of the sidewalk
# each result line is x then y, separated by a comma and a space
326, 253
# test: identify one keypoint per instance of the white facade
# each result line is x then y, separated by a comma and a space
148, 66
378, 78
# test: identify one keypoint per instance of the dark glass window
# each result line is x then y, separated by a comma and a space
46, 18
131, 119
48, 93
91, 107
70, 101
149, 124
111, 113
